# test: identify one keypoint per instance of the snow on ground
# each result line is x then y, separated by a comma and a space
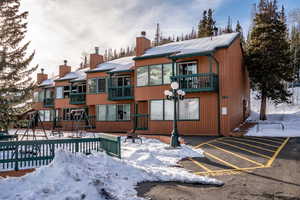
286, 114
99, 177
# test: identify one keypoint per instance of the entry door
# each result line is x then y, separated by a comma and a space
141, 116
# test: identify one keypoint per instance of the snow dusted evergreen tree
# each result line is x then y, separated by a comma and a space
16, 84
228, 28
268, 55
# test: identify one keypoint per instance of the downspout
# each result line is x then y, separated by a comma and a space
219, 94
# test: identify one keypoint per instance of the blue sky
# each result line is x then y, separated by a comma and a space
60, 30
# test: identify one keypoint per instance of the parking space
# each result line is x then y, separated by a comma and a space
234, 155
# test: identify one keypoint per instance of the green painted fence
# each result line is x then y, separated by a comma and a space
15, 155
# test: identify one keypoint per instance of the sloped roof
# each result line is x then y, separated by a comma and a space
78, 75
190, 47
48, 82
117, 65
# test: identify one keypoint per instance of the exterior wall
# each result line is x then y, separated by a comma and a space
102, 98
234, 86
208, 123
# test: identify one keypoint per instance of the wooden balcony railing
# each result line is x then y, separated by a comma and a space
206, 82
77, 98
120, 93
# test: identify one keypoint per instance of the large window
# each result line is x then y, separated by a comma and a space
157, 110
66, 91
59, 93
113, 112
97, 85
167, 73
187, 68
154, 74
36, 97
41, 96
142, 76
47, 115
164, 109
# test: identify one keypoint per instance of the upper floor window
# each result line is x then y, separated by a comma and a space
41, 96
154, 74
36, 97
49, 93
187, 68
79, 88
96, 85
59, 92
47, 115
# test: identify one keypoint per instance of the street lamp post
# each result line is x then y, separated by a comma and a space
175, 94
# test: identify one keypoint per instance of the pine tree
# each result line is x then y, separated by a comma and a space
268, 56
202, 27
207, 26
239, 29
228, 28
16, 84
295, 50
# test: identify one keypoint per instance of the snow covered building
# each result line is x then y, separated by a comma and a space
128, 93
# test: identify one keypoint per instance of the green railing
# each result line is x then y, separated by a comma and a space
207, 82
120, 93
15, 155
141, 121
77, 98
48, 102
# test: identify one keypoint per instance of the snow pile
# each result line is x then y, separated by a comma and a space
285, 114
99, 177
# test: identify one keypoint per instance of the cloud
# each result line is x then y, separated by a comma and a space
64, 29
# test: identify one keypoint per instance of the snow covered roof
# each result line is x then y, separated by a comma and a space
78, 75
190, 47
117, 65
48, 82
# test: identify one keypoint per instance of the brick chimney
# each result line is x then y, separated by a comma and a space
95, 59
142, 44
41, 76
64, 69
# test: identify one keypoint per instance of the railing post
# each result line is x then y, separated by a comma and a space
76, 146
16, 158
119, 147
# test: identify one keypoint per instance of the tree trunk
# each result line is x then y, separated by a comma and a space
263, 108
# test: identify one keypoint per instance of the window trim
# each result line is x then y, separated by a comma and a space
186, 62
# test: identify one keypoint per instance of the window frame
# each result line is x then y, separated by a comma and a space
62, 92
186, 62
178, 111
116, 112
96, 86
148, 75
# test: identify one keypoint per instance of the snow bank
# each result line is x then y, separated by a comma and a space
100, 177
286, 114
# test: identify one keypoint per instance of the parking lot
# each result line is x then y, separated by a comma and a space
251, 168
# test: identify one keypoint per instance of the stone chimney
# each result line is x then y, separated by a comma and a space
41, 76
142, 44
95, 59
64, 69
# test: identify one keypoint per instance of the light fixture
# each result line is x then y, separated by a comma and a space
174, 85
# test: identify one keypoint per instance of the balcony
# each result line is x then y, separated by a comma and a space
206, 82
48, 102
77, 98
120, 93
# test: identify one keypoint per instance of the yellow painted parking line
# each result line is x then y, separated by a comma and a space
248, 140
268, 140
237, 155
230, 170
251, 145
200, 165
277, 152
223, 161
198, 146
241, 148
